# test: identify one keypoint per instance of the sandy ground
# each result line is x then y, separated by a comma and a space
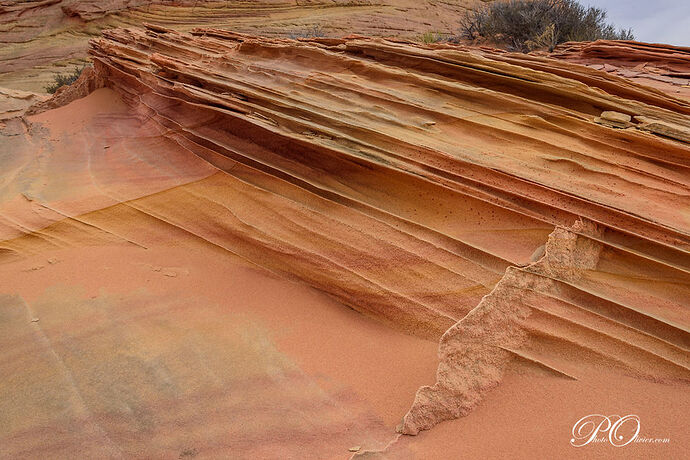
532, 416
160, 352
130, 337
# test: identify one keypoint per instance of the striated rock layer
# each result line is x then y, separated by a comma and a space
42, 37
673, 59
471, 196
435, 153
659, 66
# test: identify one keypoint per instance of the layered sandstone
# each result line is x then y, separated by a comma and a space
40, 38
467, 150
459, 194
674, 59
660, 66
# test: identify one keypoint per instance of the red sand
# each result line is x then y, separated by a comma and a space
212, 332
532, 416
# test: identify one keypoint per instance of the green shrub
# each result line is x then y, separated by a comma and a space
525, 25
431, 37
60, 79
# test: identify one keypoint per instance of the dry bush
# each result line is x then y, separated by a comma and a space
524, 25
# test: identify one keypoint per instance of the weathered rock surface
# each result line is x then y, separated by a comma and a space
655, 65
14, 103
614, 119
667, 129
42, 37
674, 59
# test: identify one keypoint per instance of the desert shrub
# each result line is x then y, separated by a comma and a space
62, 79
431, 37
525, 25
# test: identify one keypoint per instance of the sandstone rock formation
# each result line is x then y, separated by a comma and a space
42, 37
673, 59
661, 66
452, 193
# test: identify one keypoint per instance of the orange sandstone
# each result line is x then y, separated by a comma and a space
464, 196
